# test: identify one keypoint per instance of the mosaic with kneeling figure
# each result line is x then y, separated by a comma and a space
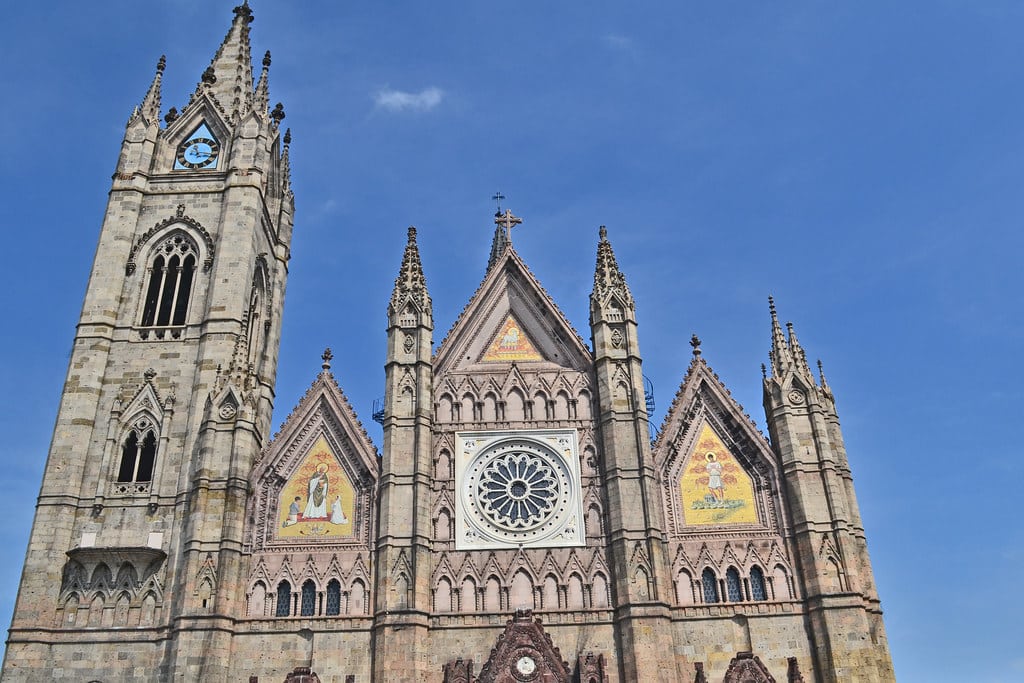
318, 500
715, 488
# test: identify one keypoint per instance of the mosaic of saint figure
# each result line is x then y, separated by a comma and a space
318, 500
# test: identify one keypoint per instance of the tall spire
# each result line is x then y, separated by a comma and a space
780, 355
607, 276
410, 283
229, 77
150, 107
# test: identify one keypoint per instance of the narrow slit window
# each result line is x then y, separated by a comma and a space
733, 586
710, 585
333, 598
284, 600
308, 606
757, 585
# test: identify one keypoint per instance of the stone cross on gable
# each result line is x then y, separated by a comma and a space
508, 221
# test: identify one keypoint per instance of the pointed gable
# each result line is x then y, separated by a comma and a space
717, 468
510, 319
316, 480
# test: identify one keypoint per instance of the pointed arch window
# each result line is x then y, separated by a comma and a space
710, 585
757, 585
333, 598
284, 600
171, 274
733, 585
138, 455
307, 606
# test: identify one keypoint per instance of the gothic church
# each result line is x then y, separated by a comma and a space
518, 524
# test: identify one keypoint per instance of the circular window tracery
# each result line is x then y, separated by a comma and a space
518, 490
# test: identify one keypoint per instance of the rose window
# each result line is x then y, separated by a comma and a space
518, 490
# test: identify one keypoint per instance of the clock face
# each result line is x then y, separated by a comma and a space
198, 153
199, 150
525, 665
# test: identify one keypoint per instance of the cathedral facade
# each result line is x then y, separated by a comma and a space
518, 523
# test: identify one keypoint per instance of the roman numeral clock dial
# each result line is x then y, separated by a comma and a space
199, 150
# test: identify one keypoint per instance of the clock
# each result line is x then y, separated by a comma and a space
525, 665
198, 153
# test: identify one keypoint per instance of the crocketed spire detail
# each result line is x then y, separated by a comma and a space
608, 279
228, 79
787, 355
262, 101
410, 283
149, 110
780, 355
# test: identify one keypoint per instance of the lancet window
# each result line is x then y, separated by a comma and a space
171, 274
138, 455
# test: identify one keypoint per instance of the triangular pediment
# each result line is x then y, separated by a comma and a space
316, 480
525, 649
511, 319
718, 470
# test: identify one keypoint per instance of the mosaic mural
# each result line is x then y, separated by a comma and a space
714, 487
318, 500
511, 343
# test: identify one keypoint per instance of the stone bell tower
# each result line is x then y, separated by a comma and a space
136, 546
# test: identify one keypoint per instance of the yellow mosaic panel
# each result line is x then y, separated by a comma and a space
511, 343
715, 488
318, 501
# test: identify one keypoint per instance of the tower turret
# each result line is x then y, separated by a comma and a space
635, 516
831, 548
402, 602
169, 391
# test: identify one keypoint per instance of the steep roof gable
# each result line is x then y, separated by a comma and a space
510, 318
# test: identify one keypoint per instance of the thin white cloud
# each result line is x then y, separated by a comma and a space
618, 42
397, 100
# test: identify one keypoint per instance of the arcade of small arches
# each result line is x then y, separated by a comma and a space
101, 600
521, 592
711, 587
310, 599
514, 405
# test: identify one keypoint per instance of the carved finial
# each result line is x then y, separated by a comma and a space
781, 357
764, 371
507, 221
244, 12
209, 77
607, 276
821, 376
326, 357
266, 59
149, 374
288, 137
180, 210
172, 115
278, 113
410, 282
161, 64
695, 343
504, 223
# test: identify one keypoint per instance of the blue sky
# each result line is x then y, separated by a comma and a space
859, 161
